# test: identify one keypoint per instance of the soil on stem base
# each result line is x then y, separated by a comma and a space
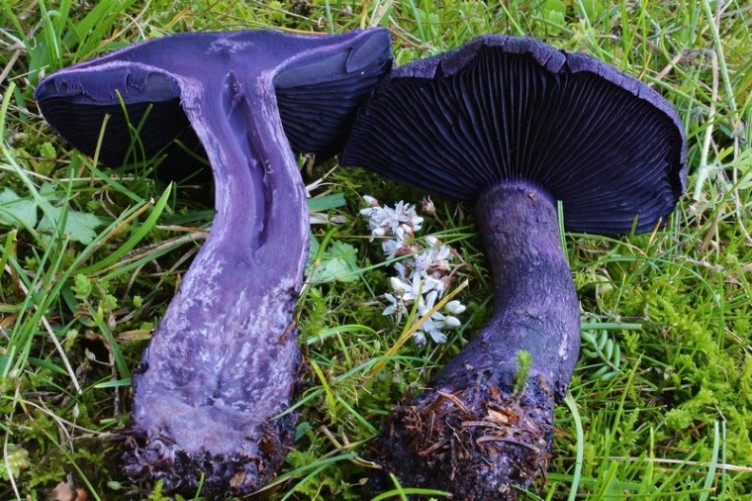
474, 436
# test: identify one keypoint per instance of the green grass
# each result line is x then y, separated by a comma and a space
661, 403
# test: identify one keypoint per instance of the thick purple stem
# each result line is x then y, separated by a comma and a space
477, 433
535, 305
230, 322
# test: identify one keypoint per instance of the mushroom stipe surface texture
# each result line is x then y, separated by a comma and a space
513, 125
224, 360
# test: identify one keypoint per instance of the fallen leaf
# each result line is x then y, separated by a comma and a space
62, 492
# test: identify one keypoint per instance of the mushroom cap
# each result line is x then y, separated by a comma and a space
138, 88
505, 108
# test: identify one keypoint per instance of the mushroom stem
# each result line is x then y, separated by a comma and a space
226, 349
536, 308
478, 431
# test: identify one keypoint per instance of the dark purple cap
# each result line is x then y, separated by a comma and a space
141, 87
505, 108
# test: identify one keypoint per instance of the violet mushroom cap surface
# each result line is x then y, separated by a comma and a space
512, 125
224, 360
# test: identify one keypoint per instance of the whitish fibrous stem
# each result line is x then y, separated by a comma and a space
475, 432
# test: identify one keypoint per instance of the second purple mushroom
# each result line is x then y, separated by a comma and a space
512, 126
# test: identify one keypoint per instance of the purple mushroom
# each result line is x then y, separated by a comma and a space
224, 359
513, 125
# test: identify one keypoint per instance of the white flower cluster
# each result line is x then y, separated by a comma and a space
423, 276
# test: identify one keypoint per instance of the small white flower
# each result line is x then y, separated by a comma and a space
433, 284
424, 275
428, 206
416, 290
392, 307
455, 307
390, 248
398, 285
435, 261
438, 336
419, 337
370, 200
429, 301
452, 321
397, 306
433, 329
401, 271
